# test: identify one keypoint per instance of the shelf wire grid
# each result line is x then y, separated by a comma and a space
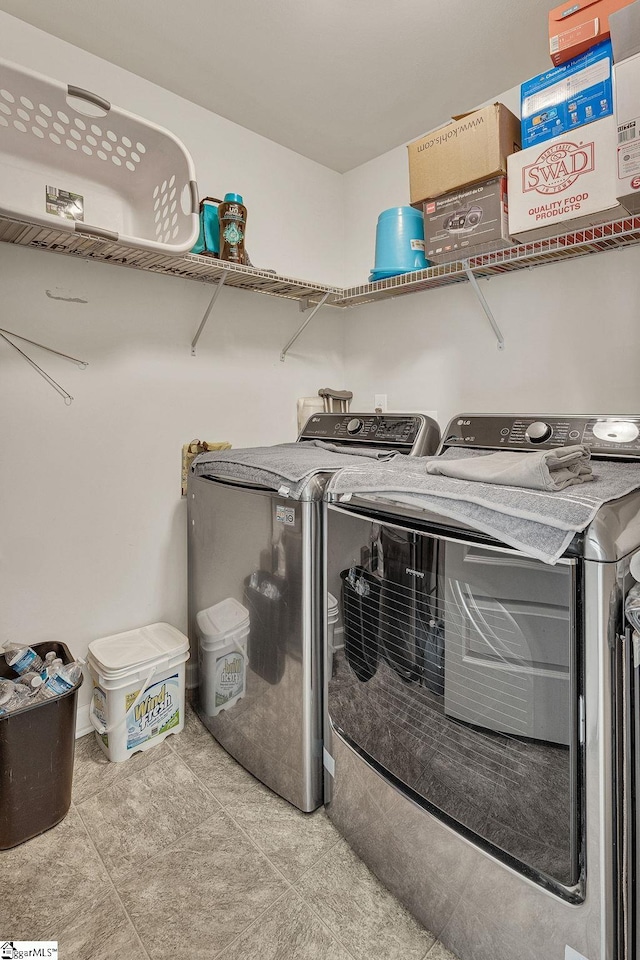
579, 243
189, 266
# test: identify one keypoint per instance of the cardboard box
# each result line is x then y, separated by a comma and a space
467, 222
568, 96
565, 184
470, 149
579, 24
627, 76
625, 32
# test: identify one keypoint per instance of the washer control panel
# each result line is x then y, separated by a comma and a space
410, 433
606, 436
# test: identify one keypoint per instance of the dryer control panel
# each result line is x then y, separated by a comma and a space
414, 434
606, 436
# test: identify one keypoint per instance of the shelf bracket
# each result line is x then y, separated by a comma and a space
320, 303
216, 293
483, 303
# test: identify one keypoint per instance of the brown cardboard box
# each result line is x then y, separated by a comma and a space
579, 24
470, 149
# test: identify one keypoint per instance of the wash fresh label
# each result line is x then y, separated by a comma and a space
229, 677
157, 711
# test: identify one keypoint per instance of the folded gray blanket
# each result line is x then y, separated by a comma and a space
285, 467
540, 523
539, 470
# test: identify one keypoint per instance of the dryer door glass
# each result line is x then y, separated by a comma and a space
455, 672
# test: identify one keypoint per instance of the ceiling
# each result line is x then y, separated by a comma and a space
339, 81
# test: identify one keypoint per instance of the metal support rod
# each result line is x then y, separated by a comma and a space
45, 376
81, 363
216, 293
321, 303
483, 303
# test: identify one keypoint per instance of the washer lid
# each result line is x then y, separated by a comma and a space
124, 651
222, 618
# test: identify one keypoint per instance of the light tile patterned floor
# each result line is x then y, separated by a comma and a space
180, 854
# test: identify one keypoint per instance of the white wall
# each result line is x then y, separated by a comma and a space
572, 343
93, 529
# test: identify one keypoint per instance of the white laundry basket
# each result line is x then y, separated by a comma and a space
223, 630
138, 688
71, 160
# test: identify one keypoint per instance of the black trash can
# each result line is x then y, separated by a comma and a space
36, 760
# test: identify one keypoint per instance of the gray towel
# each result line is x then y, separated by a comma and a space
285, 467
539, 470
539, 523
373, 453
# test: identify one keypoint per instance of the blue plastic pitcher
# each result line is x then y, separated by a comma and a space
399, 242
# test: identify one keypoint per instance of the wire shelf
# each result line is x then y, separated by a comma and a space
188, 266
580, 243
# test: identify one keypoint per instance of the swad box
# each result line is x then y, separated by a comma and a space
564, 184
467, 222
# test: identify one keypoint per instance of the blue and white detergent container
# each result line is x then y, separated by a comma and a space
399, 243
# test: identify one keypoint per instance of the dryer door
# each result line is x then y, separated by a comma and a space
469, 700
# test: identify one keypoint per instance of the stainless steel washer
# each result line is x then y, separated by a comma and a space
479, 736
263, 549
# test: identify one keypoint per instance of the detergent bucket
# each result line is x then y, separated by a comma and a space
138, 688
223, 630
399, 242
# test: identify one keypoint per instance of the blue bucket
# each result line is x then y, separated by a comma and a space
399, 242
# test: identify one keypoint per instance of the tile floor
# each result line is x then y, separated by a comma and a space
180, 854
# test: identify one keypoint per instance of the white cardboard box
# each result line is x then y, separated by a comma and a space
627, 87
565, 183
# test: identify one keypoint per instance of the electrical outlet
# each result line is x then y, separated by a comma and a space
380, 402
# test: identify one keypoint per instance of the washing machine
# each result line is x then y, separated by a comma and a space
481, 738
257, 594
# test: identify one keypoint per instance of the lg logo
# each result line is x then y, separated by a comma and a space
635, 183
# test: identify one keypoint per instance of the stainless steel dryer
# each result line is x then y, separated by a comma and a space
479, 733
260, 548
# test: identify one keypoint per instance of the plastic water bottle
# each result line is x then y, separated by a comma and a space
22, 659
32, 681
58, 680
13, 696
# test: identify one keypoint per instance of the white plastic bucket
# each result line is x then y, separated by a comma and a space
333, 616
223, 630
138, 688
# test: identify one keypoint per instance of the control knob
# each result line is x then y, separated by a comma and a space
355, 425
538, 432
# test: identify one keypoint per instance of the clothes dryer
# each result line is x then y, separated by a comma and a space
482, 733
